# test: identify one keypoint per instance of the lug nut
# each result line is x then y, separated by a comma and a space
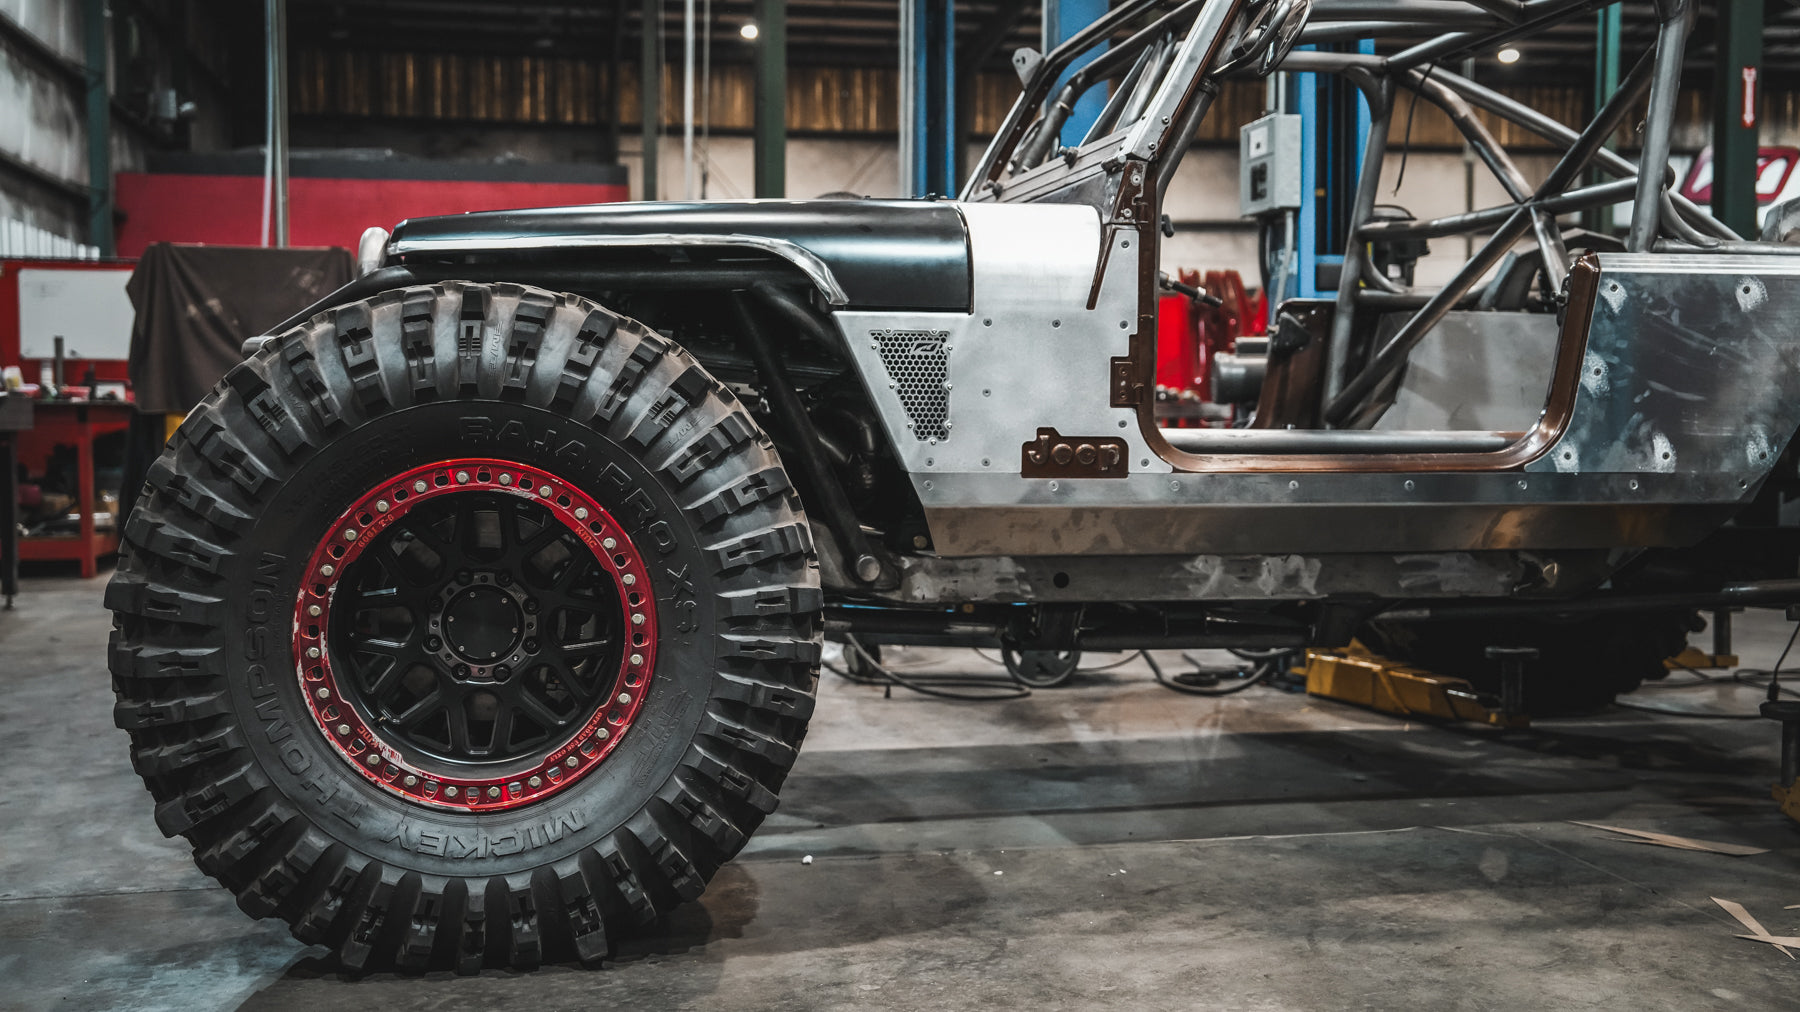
531, 646
433, 643
503, 578
531, 606
462, 670
503, 672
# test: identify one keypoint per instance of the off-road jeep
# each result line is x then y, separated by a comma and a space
475, 618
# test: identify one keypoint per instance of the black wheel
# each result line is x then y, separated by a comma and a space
1041, 669
466, 625
1583, 663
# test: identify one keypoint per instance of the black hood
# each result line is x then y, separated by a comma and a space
885, 254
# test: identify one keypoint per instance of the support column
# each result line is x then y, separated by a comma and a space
650, 64
99, 129
610, 106
1062, 19
1736, 91
927, 97
771, 98
275, 154
1607, 26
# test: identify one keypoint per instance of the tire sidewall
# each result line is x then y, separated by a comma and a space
302, 765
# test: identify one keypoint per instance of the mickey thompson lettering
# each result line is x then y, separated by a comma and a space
480, 843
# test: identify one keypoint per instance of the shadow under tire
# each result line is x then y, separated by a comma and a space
638, 600
1583, 664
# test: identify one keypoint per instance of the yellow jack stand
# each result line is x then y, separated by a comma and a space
1693, 658
1355, 675
1787, 791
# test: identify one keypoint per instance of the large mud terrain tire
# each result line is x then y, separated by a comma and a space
465, 626
1583, 663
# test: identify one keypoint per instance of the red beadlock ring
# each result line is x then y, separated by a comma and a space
344, 725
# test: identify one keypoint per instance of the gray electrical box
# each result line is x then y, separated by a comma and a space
1269, 165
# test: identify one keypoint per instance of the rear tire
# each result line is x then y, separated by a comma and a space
1583, 663
342, 822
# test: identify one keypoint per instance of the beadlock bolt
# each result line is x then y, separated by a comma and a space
343, 728
410, 781
381, 505
450, 792
637, 619
628, 579
462, 477
314, 611
624, 699
493, 792
609, 544
581, 512
506, 479
350, 534
323, 693
327, 569
312, 652
637, 659
572, 762
536, 781
602, 734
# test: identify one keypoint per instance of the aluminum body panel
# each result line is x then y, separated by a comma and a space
899, 254
1030, 355
1242, 578
1697, 358
1692, 367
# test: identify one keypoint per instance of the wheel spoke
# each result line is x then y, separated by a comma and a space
503, 725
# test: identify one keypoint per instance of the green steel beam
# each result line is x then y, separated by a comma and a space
1736, 91
99, 129
1607, 27
650, 65
771, 98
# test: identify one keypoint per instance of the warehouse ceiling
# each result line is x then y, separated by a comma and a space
864, 32
830, 32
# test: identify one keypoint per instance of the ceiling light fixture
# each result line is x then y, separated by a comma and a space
1507, 55
749, 30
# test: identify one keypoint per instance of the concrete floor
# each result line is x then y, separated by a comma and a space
1112, 845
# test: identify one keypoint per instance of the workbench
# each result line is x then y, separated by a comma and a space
78, 423
15, 417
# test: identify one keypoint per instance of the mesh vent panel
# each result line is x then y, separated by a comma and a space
920, 368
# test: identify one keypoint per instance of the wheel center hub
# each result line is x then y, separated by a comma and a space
483, 624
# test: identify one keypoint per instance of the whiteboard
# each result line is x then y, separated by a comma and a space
87, 308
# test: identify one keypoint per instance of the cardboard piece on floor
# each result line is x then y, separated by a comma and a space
1744, 917
1679, 842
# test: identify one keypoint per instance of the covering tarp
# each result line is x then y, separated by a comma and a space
196, 305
